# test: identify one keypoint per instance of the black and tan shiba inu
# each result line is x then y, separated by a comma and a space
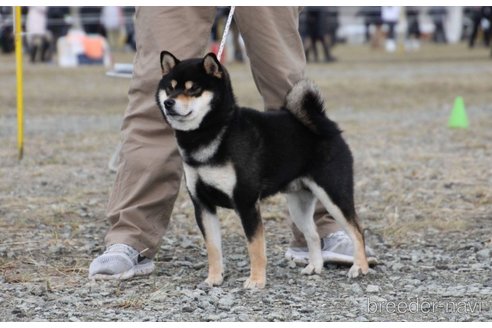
233, 157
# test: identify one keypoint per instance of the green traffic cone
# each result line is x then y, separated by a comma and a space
458, 118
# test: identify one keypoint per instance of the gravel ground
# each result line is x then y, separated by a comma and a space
423, 193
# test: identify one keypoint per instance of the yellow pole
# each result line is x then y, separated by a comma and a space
20, 98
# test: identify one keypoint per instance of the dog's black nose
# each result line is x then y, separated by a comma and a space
169, 103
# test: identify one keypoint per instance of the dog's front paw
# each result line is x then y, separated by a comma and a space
214, 280
312, 269
251, 283
356, 270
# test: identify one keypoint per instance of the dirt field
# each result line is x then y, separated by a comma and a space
423, 192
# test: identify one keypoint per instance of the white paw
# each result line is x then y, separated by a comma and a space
356, 270
312, 269
214, 281
254, 283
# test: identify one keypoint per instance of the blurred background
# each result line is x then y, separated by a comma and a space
50, 30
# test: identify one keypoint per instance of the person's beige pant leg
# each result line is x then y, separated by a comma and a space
150, 170
274, 47
275, 50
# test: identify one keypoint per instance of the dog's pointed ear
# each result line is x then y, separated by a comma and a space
212, 65
168, 61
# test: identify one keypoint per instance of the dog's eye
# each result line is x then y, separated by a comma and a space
171, 86
194, 88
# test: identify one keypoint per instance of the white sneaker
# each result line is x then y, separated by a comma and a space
335, 248
120, 262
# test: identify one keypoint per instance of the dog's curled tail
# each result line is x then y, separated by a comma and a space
305, 102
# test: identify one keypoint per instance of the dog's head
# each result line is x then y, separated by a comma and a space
191, 89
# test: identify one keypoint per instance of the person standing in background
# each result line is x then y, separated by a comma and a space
390, 16
57, 23
113, 21
438, 15
6, 30
413, 28
38, 37
315, 31
481, 19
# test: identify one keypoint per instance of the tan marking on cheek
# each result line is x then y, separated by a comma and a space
174, 83
188, 85
256, 249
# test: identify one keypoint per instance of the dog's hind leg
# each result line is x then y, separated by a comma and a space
301, 208
341, 207
210, 227
254, 230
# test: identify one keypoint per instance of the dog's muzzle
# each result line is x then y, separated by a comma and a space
169, 105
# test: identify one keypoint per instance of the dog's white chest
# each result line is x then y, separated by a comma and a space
221, 177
